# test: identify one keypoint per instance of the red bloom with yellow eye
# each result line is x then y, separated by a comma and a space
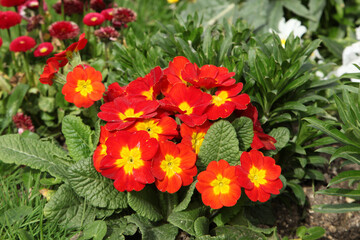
226, 100
161, 129
148, 87
173, 72
100, 151
259, 175
75, 47
122, 112
173, 166
190, 102
128, 160
194, 136
219, 185
113, 91
83, 86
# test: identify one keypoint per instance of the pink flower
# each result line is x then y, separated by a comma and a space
43, 49
64, 30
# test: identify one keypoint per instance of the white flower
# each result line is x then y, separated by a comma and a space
357, 33
291, 26
350, 55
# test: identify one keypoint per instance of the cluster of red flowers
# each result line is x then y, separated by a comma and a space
142, 143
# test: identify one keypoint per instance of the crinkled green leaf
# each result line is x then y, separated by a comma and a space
225, 214
145, 203
152, 232
95, 230
201, 226
117, 228
77, 137
220, 142
186, 219
33, 153
95, 188
185, 202
237, 232
244, 131
66, 208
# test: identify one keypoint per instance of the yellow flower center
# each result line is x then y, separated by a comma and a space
93, 19
43, 49
220, 185
151, 127
196, 141
283, 41
170, 165
220, 99
84, 87
22, 42
184, 106
69, 54
257, 177
129, 113
148, 94
103, 149
130, 159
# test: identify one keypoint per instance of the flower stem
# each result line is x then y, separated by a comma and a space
29, 77
63, 10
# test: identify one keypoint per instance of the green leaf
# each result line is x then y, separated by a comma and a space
347, 152
95, 188
337, 208
117, 228
185, 219
145, 203
13, 215
281, 135
314, 174
298, 191
244, 131
66, 208
201, 226
33, 153
78, 137
225, 215
151, 232
13, 104
185, 202
296, 7
340, 192
220, 142
46, 104
95, 230
237, 232
293, 106
334, 47
345, 176
310, 233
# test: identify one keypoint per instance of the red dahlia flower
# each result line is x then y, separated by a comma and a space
173, 166
64, 30
194, 136
11, 3
122, 112
83, 86
128, 160
226, 100
23, 122
190, 102
22, 44
100, 151
75, 47
108, 13
70, 7
161, 129
259, 176
43, 49
113, 91
9, 19
48, 75
107, 34
93, 19
122, 16
219, 185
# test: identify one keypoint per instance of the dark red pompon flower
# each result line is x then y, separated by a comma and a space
23, 122
122, 16
11, 3
22, 44
9, 19
43, 49
93, 19
70, 7
64, 30
107, 34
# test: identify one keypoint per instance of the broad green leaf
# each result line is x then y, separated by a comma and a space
244, 131
145, 203
78, 137
167, 203
95, 230
296, 7
201, 226
220, 142
152, 232
314, 174
185, 219
340, 192
47, 104
95, 188
321, 142
117, 228
185, 202
225, 215
345, 176
334, 47
13, 104
68, 209
316, 8
317, 160
254, 12
337, 208
310, 233
13, 215
298, 191
281, 135
237, 232
33, 153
